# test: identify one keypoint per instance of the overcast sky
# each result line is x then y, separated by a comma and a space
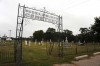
75, 13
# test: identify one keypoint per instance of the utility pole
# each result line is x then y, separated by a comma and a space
10, 33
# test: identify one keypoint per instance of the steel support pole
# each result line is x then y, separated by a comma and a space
18, 44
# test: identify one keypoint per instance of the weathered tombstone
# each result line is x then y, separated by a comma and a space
35, 41
60, 43
25, 42
79, 42
66, 43
50, 41
39, 43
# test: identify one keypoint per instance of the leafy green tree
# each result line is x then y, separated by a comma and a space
83, 30
50, 34
51, 30
84, 34
38, 35
69, 34
96, 29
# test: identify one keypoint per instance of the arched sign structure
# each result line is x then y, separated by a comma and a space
34, 14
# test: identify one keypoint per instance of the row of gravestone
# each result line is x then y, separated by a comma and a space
65, 44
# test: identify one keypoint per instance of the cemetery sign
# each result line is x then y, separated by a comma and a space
34, 14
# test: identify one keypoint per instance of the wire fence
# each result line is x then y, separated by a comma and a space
70, 51
6, 52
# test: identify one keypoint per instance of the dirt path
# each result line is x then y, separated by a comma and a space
93, 61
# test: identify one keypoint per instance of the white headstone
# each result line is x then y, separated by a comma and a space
39, 43
79, 42
25, 42
66, 40
42, 42
60, 43
35, 41
50, 40
66, 43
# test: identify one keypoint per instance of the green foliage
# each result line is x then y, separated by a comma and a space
36, 55
83, 30
91, 34
52, 35
96, 29
38, 35
96, 26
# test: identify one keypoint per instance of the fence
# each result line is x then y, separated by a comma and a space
87, 48
6, 52
37, 54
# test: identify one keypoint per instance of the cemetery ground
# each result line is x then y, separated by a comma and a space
38, 55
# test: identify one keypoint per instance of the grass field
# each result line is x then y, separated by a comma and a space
37, 55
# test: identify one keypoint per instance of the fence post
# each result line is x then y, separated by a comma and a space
94, 46
87, 48
76, 49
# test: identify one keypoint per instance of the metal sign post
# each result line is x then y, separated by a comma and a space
34, 14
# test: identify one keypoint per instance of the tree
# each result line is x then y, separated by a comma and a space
38, 35
96, 29
50, 33
83, 30
84, 34
96, 26
51, 30
69, 34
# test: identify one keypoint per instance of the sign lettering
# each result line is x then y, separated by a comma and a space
40, 15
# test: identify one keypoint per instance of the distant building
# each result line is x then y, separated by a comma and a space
8, 38
4, 37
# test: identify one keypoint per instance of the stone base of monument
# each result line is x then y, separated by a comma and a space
96, 53
81, 57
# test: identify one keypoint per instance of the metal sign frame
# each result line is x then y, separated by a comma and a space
34, 14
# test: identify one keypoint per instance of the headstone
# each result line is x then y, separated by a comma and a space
80, 42
60, 43
66, 43
41, 42
35, 41
25, 42
50, 41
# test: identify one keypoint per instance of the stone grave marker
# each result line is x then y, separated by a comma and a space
66, 43
25, 42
